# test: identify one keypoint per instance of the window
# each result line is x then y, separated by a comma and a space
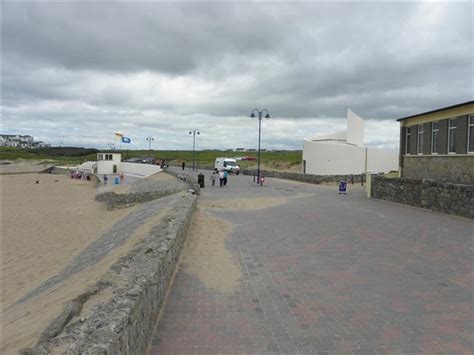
470, 134
452, 136
407, 141
419, 141
434, 137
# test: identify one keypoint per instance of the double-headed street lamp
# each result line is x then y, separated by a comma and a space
194, 132
260, 112
149, 139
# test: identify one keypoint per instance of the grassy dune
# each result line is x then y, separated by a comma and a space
282, 160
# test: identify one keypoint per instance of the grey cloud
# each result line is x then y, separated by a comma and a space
170, 66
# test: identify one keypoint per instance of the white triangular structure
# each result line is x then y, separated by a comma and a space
344, 152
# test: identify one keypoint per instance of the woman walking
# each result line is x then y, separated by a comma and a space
221, 178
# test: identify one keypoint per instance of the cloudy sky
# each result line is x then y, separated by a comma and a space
74, 73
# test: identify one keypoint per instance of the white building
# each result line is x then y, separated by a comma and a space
344, 153
108, 163
111, 163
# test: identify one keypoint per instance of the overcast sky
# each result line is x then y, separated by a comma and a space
74, 73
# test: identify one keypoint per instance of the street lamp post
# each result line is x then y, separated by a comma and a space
194, 132
260, 112
149, 139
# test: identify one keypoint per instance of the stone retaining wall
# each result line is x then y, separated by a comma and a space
451, 198
309, 178
137, 284
192, 182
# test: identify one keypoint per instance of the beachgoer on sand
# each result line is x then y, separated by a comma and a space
106, 178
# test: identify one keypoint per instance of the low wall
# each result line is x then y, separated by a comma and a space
191, 181
450, 198
138, 169
137, 284
309, 178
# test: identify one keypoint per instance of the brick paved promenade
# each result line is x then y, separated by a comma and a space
327, 274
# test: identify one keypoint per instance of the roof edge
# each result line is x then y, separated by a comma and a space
437, 110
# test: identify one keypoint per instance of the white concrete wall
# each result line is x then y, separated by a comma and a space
106, 166
355, 129
139, 169
382, 160
333, 159
339, 159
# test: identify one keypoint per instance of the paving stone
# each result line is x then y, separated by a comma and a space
332, 275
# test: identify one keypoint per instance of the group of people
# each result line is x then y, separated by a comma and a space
162, 163
222, 175
80, 175
105, 178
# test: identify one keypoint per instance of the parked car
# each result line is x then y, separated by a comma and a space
140, 160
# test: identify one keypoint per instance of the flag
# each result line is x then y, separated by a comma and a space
118, 134
126, 140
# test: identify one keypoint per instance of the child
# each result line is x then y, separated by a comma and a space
213, 178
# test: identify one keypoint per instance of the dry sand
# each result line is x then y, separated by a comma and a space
43, 227
24, 166
205, 255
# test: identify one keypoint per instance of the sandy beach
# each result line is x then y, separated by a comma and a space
44, 226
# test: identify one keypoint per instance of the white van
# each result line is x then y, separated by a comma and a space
228, 164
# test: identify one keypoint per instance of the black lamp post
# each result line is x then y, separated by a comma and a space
260, 112
194, 132
149, 139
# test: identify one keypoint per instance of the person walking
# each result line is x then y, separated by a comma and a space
221, 178
226, 175
106, 178
213, 178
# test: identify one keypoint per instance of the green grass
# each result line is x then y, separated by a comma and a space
67, 155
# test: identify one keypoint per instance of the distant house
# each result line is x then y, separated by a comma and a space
240, 149
16, 140
344, 152
439, 144
20, 141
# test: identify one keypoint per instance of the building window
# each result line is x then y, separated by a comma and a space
419, 141
452, 136
434, 137
470, 135
407, 141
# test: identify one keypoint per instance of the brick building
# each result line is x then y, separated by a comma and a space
439, 144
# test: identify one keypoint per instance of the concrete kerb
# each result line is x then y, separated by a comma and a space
137, 282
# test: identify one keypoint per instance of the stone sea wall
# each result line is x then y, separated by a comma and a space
451, 198
309, 178
131, 293
141, 190
137, 284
